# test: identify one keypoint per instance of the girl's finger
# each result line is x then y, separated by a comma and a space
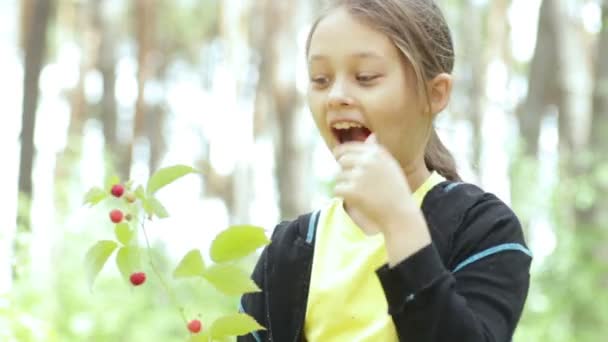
347, 176
344, 189
348, 161
347, 148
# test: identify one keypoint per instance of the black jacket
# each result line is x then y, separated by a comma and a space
469, 285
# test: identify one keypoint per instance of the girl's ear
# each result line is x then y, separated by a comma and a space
439, 90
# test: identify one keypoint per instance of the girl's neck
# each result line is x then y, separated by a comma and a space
416, 175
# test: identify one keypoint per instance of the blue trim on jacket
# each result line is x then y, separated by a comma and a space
253, 333
490, 251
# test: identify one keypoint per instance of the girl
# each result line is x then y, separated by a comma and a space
406, 252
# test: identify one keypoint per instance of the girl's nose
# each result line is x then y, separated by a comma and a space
338, 96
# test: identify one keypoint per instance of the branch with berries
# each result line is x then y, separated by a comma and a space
133, 206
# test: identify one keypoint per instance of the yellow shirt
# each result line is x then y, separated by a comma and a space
346, 301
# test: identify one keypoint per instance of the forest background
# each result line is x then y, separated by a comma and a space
91, 88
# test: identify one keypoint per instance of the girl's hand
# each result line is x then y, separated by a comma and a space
378, 198
372, 184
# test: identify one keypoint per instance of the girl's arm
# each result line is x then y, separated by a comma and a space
479, 298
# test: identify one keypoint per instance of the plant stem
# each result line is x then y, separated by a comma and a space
160, 277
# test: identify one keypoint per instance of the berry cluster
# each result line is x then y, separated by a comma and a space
138, 278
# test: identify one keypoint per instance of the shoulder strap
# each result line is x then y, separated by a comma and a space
288, 276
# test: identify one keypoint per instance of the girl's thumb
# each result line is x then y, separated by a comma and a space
371, 139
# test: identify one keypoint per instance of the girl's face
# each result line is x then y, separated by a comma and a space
360, 84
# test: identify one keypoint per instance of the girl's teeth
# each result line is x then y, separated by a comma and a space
346, 125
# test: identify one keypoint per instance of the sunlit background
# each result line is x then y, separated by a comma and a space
127, 87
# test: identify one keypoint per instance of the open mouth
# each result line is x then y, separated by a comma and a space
348, 131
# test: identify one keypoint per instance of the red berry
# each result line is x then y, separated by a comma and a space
116, 216
138, 278
118, 190
195, 326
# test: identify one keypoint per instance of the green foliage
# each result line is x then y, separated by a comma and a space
111, 180
567, 300
237, 242
94, 196
96, 258
229, 279
186, 26
191, 265
230, 246
233, 325
140, 193
61, 308
128, 260
167, 176
123, 232
156, 208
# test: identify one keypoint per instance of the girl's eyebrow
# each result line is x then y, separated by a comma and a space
359, 55
366, 54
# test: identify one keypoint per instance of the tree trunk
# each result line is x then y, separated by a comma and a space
35, 50
106, 63
88, 45
541, 75
262, 33
569, 93
155, 123
272, 35
25, 14
599, 127
571, 97
477, 65
84, 34
293, 154
597, 216
144, 31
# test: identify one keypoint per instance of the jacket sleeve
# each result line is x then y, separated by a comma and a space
479, 296
254, 304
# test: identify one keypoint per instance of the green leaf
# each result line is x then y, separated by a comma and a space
157, 208
237, 242
234, 325
230, 279
140, 193
203, 336
166, 176
191, 265
147, 207
129, 184
127, 260
94, 196
124, 234
110, 181
96, 257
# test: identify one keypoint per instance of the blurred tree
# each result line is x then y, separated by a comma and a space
475, 57
599, 127
145, 12
270, 28
293, 155
76, 17
106, 60
35, 49
541, 71
277, 94
88, 42
566, 300
568, 91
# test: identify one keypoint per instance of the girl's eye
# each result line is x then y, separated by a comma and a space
319, 81
366, 78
